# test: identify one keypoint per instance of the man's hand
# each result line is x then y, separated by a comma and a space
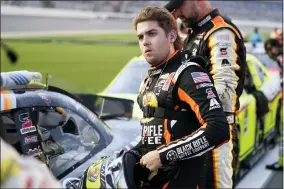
151, 160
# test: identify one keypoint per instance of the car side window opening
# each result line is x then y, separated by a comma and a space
66, 138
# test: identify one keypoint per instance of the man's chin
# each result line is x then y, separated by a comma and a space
151, 61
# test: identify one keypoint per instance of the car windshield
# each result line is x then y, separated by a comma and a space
66, 141
129, 80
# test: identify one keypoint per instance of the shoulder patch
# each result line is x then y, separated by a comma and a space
200, 77
183, 66
219, 22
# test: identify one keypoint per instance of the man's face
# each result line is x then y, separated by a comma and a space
154, 44
275, 51
187, 12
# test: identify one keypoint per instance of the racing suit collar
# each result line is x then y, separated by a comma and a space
154, 70
196, 26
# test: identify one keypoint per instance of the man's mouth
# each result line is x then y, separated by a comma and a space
147, 51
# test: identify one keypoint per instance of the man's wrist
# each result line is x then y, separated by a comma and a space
163, 158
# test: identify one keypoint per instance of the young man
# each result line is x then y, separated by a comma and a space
221, 43
182, 113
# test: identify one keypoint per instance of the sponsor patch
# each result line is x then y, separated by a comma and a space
195, 146
172, 155
152, 134
168, 82
225, 62
230, 119
223, 51
210, 93
150, 99
200, 77
201, 23
204, 85
27, 127
224, 44
45, 98
154, 72
214, 104
164, 76
223, 37
93, 174
31, 139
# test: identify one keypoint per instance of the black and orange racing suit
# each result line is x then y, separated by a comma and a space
182, 119
220, 42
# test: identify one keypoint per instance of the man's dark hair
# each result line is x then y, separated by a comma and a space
271, 43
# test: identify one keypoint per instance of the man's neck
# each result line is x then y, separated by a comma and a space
171, 54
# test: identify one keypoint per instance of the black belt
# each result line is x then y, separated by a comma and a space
164, 113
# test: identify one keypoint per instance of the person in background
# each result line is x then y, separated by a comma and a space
183, 31
275, 34
24, 172
274, 49
217, 39
255, 37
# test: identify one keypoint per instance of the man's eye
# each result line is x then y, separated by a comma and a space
152, 34
140, 37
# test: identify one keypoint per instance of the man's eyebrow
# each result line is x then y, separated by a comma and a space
149, 31
152, 30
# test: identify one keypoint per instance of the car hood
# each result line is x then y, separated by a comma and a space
126, 135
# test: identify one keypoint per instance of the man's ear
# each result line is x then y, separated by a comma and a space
172, 36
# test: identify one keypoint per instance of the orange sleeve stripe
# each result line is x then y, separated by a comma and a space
186, 98
7, 104
215, 170
219, 22
167, 135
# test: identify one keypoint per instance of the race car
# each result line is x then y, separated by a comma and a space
256, 118
53, 125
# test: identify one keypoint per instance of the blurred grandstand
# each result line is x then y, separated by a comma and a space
241, 10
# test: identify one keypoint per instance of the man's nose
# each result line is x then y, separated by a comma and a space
146, 41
